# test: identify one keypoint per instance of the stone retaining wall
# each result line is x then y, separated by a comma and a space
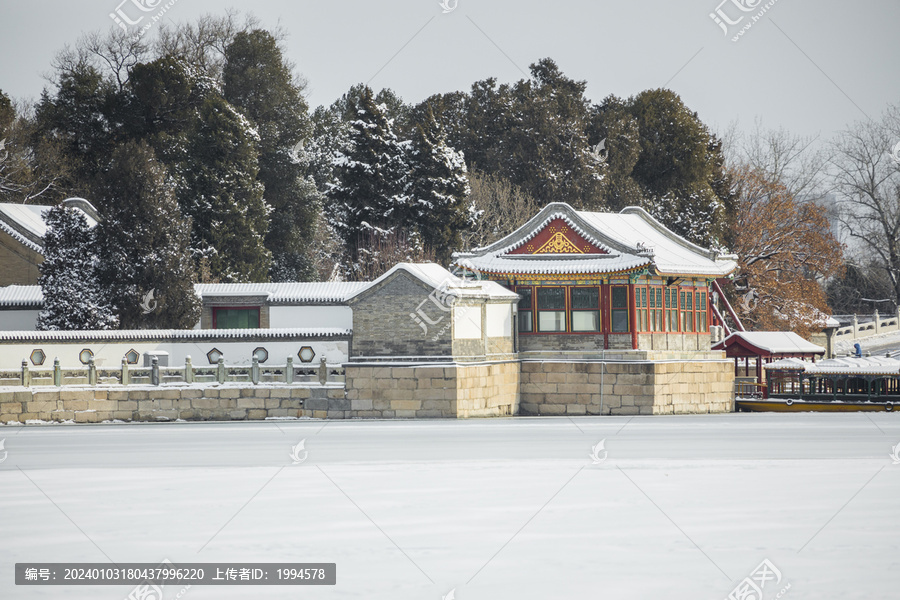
451, 390
626, 388
454, 390
138, 403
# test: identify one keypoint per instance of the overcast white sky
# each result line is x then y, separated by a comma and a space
812, 67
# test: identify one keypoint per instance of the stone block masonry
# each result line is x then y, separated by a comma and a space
451, 390
83, 404
406, 390
626, 388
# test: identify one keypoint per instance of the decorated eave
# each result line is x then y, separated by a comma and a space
561, 241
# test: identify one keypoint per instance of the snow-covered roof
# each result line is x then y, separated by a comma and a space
773, 342
435, 276
171, 334
25, 222
849, 365
21, 296
273, 293
628, 240
787, 364
287, 293
831, 322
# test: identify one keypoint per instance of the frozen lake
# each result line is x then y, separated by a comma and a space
678, 507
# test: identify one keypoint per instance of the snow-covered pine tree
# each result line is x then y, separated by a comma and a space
436, 190
371, 175
259, 82
144, 243
73, 299
227, 206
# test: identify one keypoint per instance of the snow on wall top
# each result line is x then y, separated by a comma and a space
275, 293
172, 334
632, 237
292, 293
436, 276
286, 293
21, 296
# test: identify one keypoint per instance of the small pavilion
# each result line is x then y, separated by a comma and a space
766, 347
592, 281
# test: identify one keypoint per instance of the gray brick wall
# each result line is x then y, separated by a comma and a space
18, 264
382, 325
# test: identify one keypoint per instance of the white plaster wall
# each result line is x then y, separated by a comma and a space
109, 355
18, 320
499, 320
292, 317
467, 322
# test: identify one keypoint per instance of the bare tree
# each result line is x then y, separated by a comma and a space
786, 249
113, 53
29, 169
202, 44
867, 176
501, 207
379, 250
794, 161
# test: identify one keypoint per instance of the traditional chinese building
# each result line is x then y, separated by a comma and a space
600, 281
614, 313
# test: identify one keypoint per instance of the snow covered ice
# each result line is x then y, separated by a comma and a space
680, 507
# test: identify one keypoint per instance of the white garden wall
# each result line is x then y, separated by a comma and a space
109, 353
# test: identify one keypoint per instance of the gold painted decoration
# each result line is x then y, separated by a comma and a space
558, 244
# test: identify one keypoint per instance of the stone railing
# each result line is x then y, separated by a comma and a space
865, 326
156, 375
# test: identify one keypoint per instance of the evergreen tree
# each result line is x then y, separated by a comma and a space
532, 133
678, 167
144, 244
436, 190
613, 125
259, 83
7, 112
330, 138
73, 300
371, 176
211, 151
222, 194
79, 119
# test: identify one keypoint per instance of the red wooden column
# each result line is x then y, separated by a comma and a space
605, 313
632, 315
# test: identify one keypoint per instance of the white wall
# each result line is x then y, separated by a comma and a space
499, 320
18, 320
292, 317
109, 354
467, 322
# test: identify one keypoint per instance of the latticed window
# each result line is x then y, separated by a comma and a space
619, 311
672, 309
656, 309
687, 311
702, 324
585, 309
551, 308
525, 310
641, 301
